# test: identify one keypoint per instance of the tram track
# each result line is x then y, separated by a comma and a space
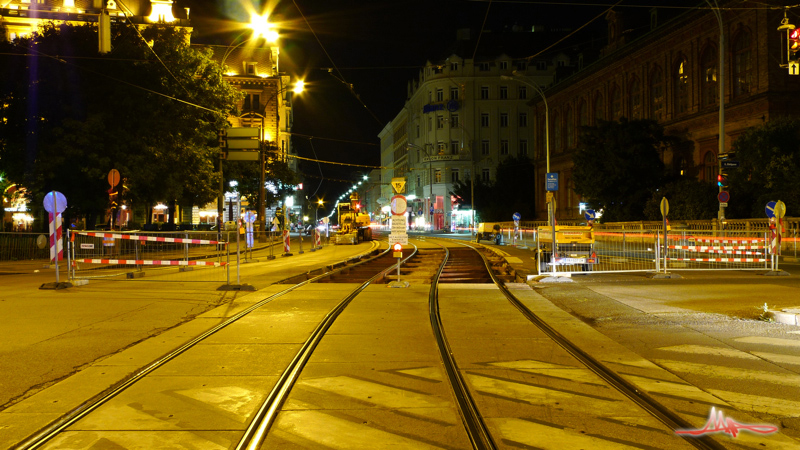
460, 264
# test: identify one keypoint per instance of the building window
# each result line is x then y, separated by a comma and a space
616, 103
483, 67
439, 95
453, 120
541, 65
453, 93
523, 92
522, 64
484, 92
485, 174
599, 109
484, 120
657, 94
441, 147
503, 120
681, 87
250, 68
453, 175
454, 147
439, 122
710, 167
484, 147
636, 100
708, 62
453, 66
252, 102
503, 65
742, 64
569, 128
583, 116
523, 147
503, 92
556, 126
523, 120
437, 175
504, 146
419, 181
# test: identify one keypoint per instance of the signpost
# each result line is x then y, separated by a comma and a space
664, 207
551, 181
55, 203
399, 207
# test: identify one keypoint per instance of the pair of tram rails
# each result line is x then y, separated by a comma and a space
377, 266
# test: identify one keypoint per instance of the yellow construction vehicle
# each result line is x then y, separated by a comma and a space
353, 224
575, 248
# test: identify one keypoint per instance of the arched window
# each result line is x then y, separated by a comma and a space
599, 108
635, 99
583, 116
657, 94
742, 64
616, 103
681, 86
569, 128
708, 71
555, 125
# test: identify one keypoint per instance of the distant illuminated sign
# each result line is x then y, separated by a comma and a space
451, 105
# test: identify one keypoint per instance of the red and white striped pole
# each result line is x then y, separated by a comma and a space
286, 248
317, 239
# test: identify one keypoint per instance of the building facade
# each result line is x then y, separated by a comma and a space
669, 73
460, 120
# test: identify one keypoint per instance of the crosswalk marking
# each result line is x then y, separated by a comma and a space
428, 373
672, 389
333, 432
730, 373
779, 358
386, 396
770, 405
572, 373
769, 341
546, 437
707, 350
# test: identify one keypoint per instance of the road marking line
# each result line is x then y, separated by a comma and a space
779, 358
546, 437
707, 350
769, 341
571, 373
428, 373
672, 389
730, 373
758, 403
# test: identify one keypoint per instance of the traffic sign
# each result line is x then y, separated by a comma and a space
398, 205
516, 217
770, 209
723, 197
728, 164
113, 177
664, 206
551, 181
399, 185
589, 214
60, 202
780, 209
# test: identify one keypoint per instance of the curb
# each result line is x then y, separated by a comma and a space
790, 316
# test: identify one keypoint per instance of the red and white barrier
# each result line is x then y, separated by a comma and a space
56, 243
134, 237
720, 259
317, 239
707, 249
286, 241
145, 262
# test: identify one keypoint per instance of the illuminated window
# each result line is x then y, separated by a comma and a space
708, 71
681, 87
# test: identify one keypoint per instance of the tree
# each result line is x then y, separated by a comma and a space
513, 191
617, 166
769, 158
75, 116
689, 199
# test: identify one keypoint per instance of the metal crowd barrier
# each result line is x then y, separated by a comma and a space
709, 250
165, 256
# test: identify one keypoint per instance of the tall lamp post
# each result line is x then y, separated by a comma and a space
721, 150
430, 179
550, 212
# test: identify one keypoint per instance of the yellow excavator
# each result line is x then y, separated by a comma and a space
353, 224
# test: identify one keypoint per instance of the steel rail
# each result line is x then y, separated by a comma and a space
652, 406
268, 412
476, 428
56, 427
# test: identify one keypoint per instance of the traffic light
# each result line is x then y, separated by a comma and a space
794, 44
397, 250
722, 180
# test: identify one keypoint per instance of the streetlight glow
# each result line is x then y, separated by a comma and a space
263, 28
299, 86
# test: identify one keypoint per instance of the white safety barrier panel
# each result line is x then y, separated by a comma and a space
170, 256
720, 250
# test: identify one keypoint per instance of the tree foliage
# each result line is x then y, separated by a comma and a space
73, 115
617, 166
769, 158
689, 199
513, 191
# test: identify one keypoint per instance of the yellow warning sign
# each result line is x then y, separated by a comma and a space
399, 185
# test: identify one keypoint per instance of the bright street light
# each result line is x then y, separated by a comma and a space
263, 28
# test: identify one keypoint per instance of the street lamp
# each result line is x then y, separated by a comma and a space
550, 213
430, 179
721, 151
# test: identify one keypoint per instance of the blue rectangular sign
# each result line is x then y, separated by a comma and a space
551, 181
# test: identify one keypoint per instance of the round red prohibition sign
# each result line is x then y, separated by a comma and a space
723, 197
398, 205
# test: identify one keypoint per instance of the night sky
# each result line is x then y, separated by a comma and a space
375, 46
